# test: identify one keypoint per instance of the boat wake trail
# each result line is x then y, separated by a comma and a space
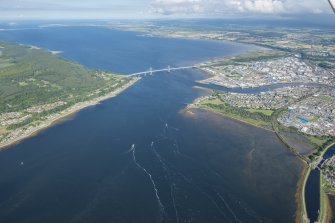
167, 127
209, 196
174, 202
228, 207
160, 204
158, 156
166, 170
172, 171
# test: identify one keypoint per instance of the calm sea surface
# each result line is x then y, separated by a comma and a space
193, 167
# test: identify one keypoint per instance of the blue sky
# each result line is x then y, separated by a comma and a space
132, 9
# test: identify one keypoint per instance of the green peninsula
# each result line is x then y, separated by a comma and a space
37, 87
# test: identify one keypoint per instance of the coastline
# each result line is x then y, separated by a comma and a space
79, 106
301, 211
277, 84
66, 113
194, 105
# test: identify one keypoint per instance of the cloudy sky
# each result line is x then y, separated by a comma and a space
51, 9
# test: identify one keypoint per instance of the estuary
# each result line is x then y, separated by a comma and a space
138, 157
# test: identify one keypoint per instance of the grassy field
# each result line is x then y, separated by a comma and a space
2, 130
317, 140
255, 117
265, 112
260, 56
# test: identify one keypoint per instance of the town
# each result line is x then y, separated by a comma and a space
311, 110
13, 119
262, 73
328, 172
269, 100
314, 115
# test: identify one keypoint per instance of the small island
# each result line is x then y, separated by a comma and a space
38, 88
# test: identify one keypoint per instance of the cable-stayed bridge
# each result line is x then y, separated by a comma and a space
151, 71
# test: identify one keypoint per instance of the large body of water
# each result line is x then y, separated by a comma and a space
194, 167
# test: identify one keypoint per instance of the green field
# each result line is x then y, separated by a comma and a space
261, 55
317, 140
265, 112
255, 117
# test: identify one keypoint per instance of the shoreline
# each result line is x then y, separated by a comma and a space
278, 84
66, 113
301, 211
193, 105
304, 175
302, 215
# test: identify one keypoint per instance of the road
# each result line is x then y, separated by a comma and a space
169, 69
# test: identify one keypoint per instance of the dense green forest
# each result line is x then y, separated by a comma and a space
30, 76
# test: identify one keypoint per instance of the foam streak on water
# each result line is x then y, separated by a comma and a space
228, 207
160, 204
174, 202
158, 156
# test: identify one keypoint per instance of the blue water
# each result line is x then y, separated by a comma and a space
332, 203
119, 51
312, 192
205, 168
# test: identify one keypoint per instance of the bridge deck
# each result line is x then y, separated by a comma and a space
162, 70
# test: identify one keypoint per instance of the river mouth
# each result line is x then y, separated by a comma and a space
135, 158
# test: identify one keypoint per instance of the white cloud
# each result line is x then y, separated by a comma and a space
168, 7
175, 8
263, 6
210, 7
